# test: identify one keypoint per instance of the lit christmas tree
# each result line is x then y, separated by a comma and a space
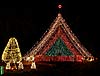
12, 52
1, 70
58, 49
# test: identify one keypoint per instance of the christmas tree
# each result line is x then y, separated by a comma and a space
12, 52
58, 49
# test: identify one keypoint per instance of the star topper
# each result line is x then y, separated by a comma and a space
59, 6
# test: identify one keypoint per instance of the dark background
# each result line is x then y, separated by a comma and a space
28, 22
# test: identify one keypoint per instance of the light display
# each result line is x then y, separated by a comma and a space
1, 70
58, 49
20, 66
12, 52
59, 6
59, 44
33, 66
8, 65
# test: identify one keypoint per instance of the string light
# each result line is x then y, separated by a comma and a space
59, 28
33, 66
1, 70
59, 6
20, 66
11, 53
8, 66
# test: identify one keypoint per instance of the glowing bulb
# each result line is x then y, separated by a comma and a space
59, 6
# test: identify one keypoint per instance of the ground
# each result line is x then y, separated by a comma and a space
60, 69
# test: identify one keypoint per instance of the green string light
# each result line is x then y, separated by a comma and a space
1, 70
59, 49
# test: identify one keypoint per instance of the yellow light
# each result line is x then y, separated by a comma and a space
12, 52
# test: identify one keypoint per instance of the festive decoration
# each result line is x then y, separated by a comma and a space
20, 66
8, 65
59, 6
31, 58
59, 44
12, 52
33, 66
13, 66
58, 49
1, 70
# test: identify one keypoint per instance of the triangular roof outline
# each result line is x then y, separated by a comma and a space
60, 22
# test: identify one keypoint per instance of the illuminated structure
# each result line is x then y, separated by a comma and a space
33, 65
8, 66
20, 66
11, 53
1, 70
59, 44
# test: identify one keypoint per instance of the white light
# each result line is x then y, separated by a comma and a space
33, 66
20, 66
28, 58
8, 66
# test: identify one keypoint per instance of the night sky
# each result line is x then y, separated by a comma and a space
29, 24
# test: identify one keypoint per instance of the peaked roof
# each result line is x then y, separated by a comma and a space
59, 29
